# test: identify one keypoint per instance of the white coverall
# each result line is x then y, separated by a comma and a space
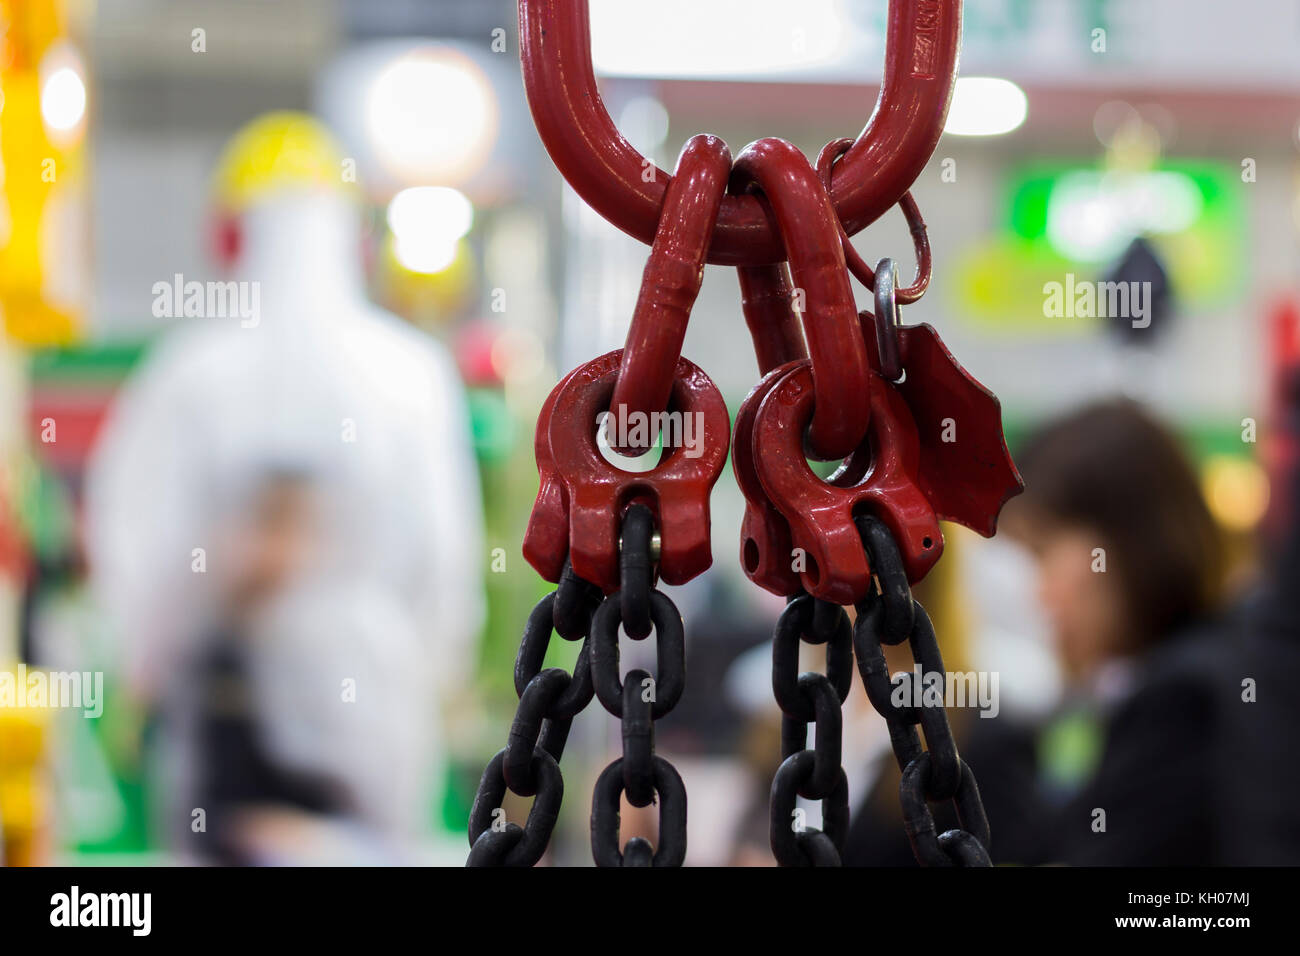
372, 411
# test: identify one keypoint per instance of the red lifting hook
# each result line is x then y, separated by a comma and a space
606, 170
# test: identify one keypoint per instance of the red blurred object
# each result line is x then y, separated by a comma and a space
1280, 449
79, 412
14, 555
582, 497
227, 239
473, 350
609, 173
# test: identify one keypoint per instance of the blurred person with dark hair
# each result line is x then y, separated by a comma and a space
241, 787
1132, 770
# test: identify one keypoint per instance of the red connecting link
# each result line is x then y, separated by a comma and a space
672, 278
582, 495
767, 299
826, 160
807, 223
607, 171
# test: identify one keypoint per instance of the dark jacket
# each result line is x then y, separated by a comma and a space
1164, 775
1160, 780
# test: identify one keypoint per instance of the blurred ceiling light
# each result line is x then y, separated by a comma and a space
423, 255
690, 38
644, 121
428, 223
432, 115
437, 209
63, 99
986, 106
63, 93
1092, 216
1236, 491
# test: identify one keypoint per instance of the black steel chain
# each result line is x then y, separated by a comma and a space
528, 765
888, 617
638, 701
549, 699
813, 698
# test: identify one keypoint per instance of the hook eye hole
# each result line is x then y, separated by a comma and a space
606, 425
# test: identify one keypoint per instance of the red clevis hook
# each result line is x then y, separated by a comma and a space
606, 170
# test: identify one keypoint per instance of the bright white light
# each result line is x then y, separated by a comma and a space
690, 38
644, 121
432, 115
986, 106
1092, 216
427, 223
435, 210
63, 99
423, 254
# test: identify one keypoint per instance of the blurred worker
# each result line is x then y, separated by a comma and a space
238, 781
351, 642
1133, 768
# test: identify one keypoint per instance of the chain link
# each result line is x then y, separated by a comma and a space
887, 617
549, 699
891, 616
638, 701
804, 699
528, 765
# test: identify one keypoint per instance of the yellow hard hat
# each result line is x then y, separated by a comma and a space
279, 151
